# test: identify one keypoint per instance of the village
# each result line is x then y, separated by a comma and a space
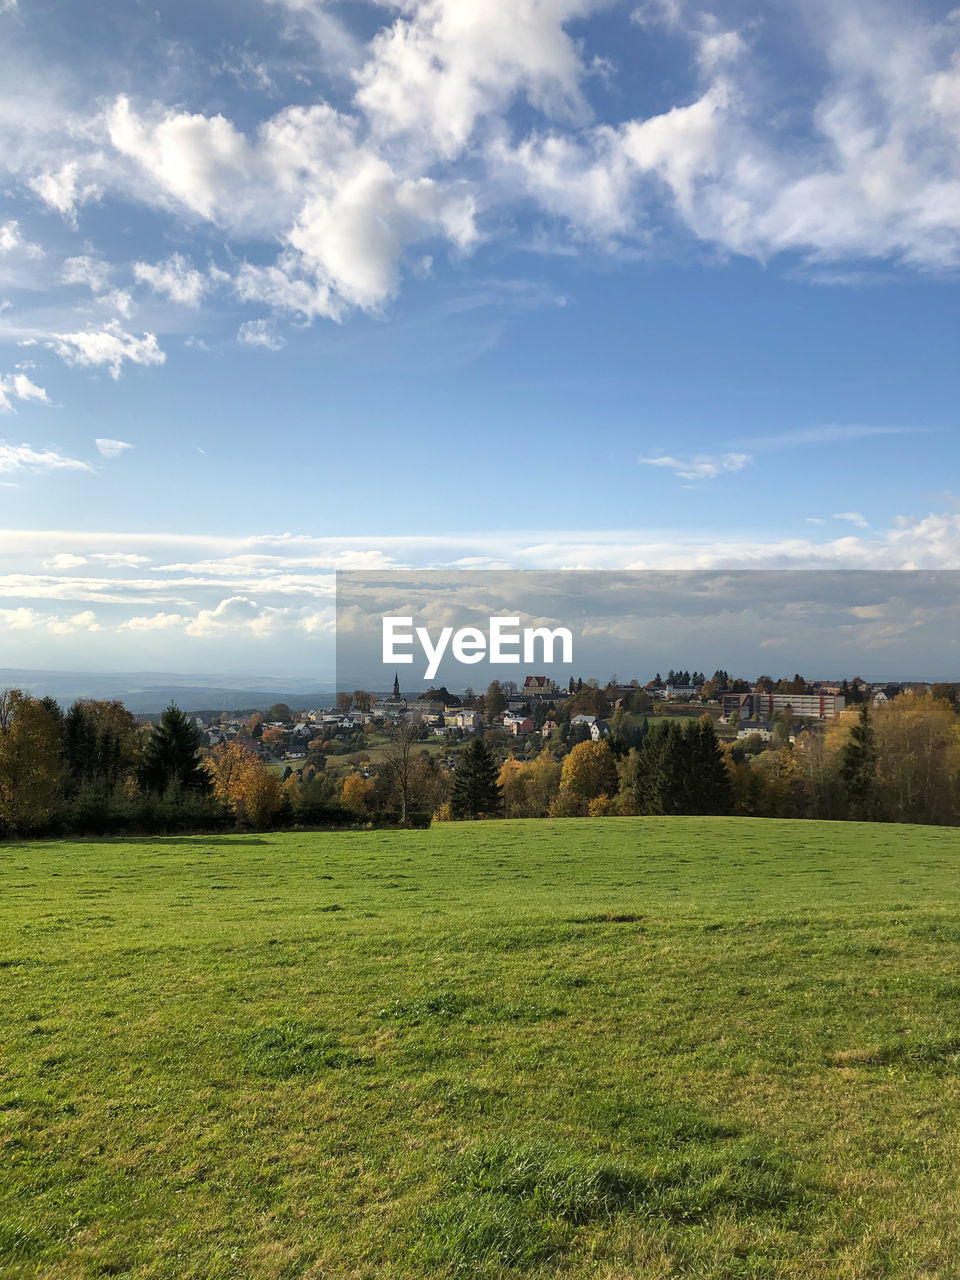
524, 717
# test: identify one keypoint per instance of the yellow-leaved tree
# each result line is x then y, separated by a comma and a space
29, 762
242, 782
589, 772
359, 793
914, 765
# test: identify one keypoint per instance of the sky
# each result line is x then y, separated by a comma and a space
288, 286
630, 624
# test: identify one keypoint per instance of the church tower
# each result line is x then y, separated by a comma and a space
396, 687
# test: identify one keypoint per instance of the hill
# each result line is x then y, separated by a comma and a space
617, 1048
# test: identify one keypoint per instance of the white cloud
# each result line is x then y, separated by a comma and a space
62, 189
198, 160
23, 457
284, 287
111, 448
444, 64
12, 241
21, 619
65, 560
156, 622
258, 333
866, 166
85, 621
702, 466
234, 612
354, 237
854, 517
93, 272
118, 301
119, 559
110, 345
176, 278
17, 386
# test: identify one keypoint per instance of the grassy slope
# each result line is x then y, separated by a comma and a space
416, 1054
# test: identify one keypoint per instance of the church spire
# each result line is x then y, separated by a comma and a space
396, 686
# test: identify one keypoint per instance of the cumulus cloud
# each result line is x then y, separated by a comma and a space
109, 345
456, 120
443, 65
236, 611
258, 333
108, 448
85, 621
21, 619
17, 386
156, 622
176, 278
702, 466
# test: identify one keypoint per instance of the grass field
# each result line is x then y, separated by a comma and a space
712, 1048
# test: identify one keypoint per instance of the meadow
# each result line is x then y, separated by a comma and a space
626, 1047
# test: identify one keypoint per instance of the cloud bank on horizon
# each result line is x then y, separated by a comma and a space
238, 604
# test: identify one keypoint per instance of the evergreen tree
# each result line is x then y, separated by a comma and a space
858, 767
711, 781
170, 755
476, 793
79, 746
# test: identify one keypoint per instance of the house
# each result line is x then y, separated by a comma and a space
761, 728
539, 687
599, 729
589, 721
886, 693
518, 724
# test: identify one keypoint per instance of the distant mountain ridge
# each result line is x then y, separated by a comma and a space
146, 692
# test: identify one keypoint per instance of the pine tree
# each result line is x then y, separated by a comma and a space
79, 745
170, 755
711, 781
476, 793
858, 767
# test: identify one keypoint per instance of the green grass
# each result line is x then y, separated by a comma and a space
710, 1048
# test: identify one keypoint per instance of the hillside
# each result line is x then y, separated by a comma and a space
618, 1048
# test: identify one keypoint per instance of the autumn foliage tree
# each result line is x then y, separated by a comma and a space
29, 762
244, 785
359, 793
589, 772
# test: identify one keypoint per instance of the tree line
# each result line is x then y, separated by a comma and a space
94, 770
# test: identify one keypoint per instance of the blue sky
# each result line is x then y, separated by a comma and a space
288, 285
